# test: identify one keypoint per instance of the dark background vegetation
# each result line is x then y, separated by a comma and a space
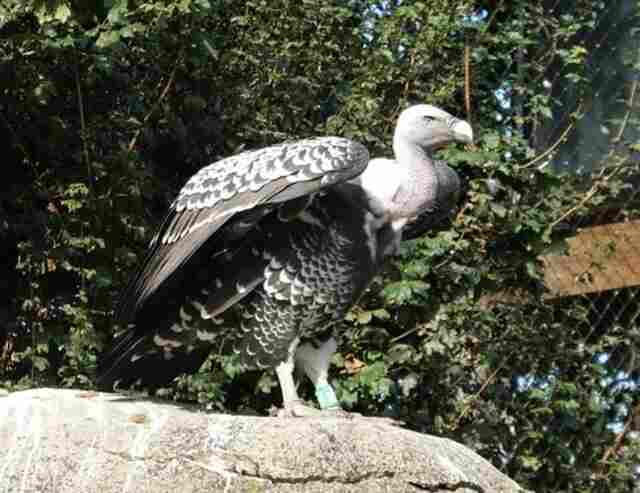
107, 107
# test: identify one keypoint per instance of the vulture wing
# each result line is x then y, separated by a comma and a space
240, 187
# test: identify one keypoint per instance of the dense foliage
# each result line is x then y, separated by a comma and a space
108, 107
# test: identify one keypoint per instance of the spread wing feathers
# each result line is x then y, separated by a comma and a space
233, 186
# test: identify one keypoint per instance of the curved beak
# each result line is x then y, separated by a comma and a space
462, 132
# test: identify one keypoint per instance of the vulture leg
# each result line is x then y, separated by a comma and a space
292, 405
285, 376
315, 363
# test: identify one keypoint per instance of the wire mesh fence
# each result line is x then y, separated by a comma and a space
599, 271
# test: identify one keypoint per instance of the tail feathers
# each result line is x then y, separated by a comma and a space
138, 359
117, 363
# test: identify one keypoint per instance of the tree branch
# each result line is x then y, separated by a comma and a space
557, 143
83, 127
467, 81
156, 105
617, 444
485, 384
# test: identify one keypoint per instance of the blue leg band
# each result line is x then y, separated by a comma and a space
326, 397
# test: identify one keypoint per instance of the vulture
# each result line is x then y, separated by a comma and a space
263, 253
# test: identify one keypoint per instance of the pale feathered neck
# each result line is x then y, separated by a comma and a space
420, 187
408, 154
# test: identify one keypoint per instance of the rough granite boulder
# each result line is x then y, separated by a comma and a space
57, 440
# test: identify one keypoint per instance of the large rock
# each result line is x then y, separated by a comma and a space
54, 440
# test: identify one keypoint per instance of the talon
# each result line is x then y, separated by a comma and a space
297, 409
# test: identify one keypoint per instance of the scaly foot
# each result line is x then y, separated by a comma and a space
298, 409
